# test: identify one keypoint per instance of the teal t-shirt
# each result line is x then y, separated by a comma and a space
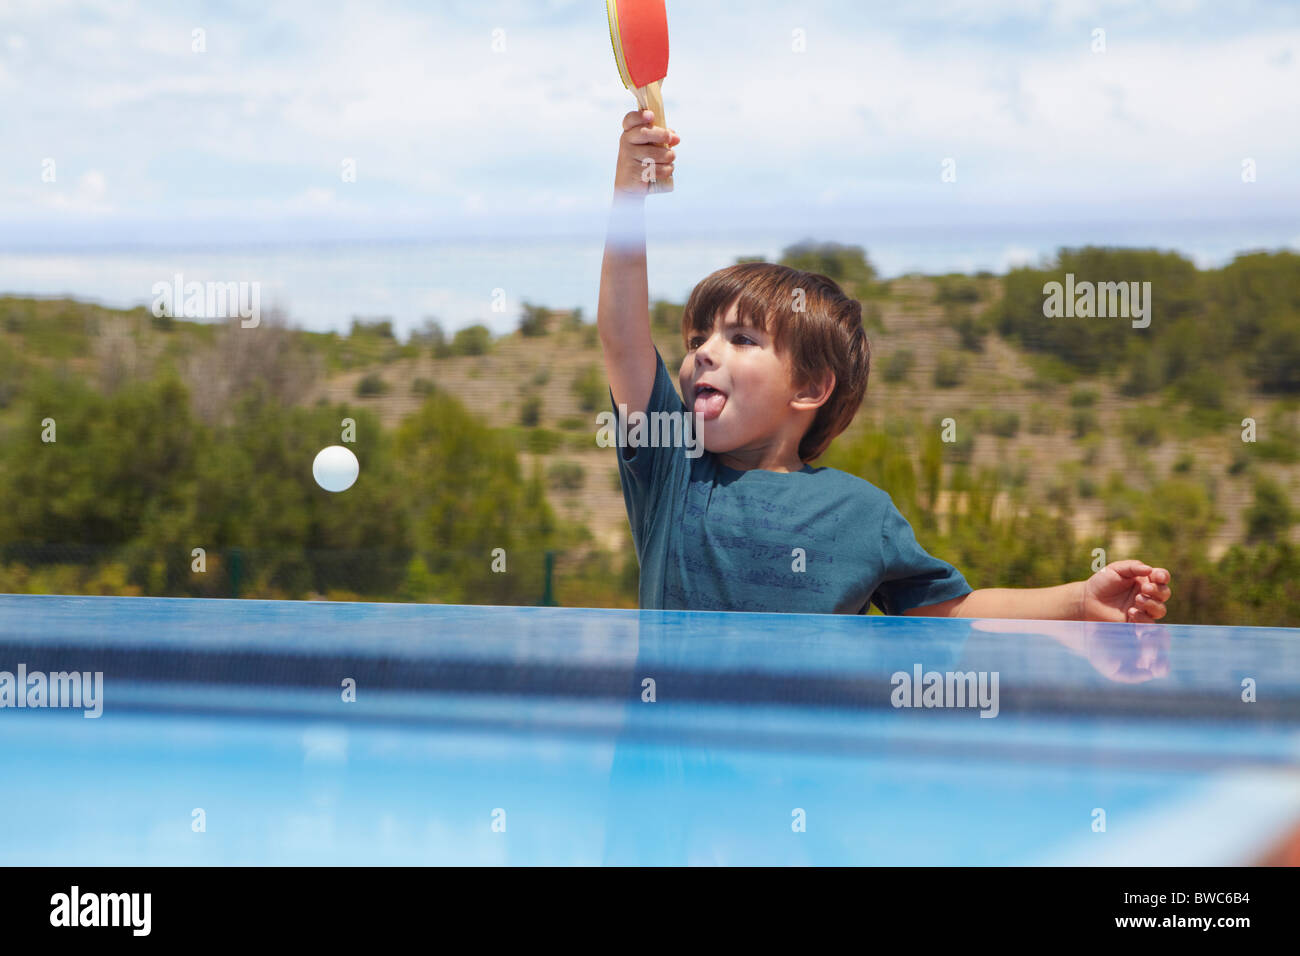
711, 538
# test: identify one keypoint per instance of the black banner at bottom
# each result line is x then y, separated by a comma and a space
334, 905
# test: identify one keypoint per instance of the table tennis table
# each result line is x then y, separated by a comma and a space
543, 735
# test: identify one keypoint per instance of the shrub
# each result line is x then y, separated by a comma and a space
970, 329
371, 385
971, 332
1142, 426
530, 412
1058, 493
872, 318
566, 476
959, 452
949, 371
542, 441
1083, 421
1278, 440
1277, 449
898, 365
590, 388
1050, 373
1091, 449
1204, 388
1270, 515
535, 321
377, 328
473, 340
1041, 419
1004, 424
957, 288
1013, 476
422, 386
430, 335
1146, 373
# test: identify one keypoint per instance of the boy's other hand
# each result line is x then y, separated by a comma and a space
643, 147
1126, 592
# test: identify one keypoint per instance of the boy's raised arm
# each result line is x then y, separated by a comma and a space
623, 309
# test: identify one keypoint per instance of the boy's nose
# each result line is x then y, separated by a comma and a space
705, 351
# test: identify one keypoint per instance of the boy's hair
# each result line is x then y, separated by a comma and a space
826, 334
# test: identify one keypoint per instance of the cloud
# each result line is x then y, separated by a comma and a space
317, 197
87, 195
1014, 256
446, 130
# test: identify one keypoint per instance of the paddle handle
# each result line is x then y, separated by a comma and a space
649, 97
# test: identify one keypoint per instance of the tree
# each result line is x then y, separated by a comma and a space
379, 328
473, 340
535, 321
430, 335
1270, 515
1276, 362
844, 264
114, 465
270, 358
467, 497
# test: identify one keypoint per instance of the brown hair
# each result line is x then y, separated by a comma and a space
827, 334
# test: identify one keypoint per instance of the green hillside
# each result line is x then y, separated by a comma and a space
1070, 435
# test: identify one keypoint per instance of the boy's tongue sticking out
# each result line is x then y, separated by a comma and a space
709, 402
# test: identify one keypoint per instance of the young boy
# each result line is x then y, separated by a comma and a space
776, 367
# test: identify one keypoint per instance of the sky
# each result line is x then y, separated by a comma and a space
475, 118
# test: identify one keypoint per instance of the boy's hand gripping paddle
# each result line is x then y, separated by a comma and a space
638, 29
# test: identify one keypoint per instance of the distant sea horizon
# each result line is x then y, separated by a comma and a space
323, 285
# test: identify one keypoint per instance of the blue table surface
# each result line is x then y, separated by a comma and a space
488, 735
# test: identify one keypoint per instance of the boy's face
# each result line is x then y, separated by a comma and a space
755, 385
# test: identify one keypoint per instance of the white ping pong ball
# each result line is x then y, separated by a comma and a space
335, 468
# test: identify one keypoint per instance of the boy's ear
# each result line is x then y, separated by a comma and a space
815, 394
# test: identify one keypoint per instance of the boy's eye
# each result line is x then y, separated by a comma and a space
695, 342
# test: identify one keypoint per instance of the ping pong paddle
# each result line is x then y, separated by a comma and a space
638, 29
